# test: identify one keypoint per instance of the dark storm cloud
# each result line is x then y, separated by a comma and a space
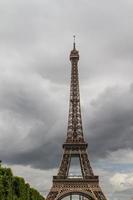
111, 124
35, 39
107, 128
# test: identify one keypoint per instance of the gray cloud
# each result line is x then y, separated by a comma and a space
41, 144
126, 194
35, 32
111, 124
35, 70
30, 120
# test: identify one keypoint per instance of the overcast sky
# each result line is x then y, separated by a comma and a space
35, 41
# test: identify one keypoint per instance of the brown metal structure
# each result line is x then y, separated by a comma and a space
86, 186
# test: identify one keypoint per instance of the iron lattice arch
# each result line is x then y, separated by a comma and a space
75, 146
87, 195
89, 189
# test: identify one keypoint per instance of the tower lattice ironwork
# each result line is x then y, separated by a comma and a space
86, 185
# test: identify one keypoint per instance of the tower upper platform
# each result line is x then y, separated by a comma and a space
74, 55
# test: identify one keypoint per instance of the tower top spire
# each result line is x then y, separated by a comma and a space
74, 45
74, 55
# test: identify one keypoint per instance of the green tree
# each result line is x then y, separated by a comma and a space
15, 188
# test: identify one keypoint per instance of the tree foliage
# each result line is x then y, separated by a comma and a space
15, 188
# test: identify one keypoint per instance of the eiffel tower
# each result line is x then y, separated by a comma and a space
85, 185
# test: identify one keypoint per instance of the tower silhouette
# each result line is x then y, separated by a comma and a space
65, 184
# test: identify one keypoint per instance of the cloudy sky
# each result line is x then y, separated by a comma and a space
35, 42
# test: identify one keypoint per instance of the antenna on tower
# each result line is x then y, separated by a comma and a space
74, 42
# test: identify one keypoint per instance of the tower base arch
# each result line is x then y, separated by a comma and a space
89, 189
